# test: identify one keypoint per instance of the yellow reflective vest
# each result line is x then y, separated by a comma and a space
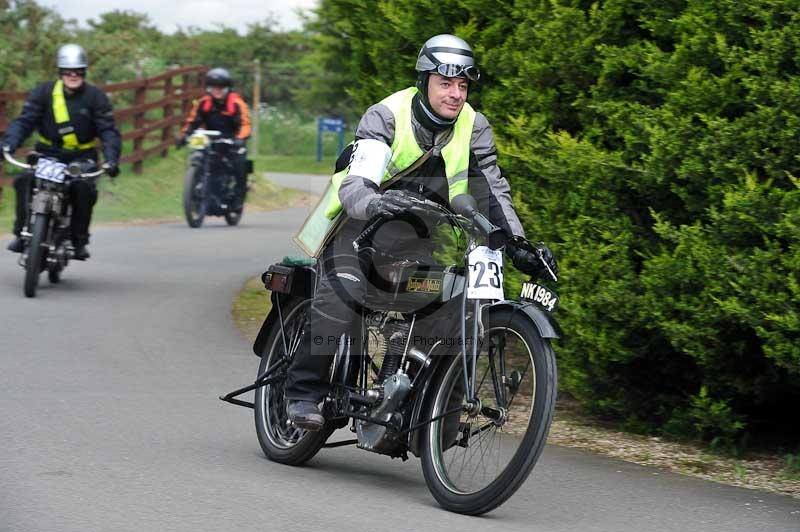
69, 140
406, 151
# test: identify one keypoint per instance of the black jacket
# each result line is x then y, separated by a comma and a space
229, 116
90, 114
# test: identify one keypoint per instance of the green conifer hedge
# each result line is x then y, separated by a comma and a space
654, 145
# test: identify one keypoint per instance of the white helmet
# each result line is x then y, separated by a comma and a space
448, 56
72, 56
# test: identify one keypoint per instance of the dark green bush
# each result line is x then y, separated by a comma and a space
654, 145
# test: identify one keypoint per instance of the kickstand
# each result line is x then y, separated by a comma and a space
261, 380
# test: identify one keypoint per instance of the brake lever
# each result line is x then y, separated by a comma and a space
547, 266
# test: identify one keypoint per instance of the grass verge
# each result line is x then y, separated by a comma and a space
770, 472
250, 307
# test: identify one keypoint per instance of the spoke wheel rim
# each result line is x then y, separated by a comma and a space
488, 444
274, 414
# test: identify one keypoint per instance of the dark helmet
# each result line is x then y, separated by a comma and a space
218, 77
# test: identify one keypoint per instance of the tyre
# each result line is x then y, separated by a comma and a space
280, 441
233, 217
36, 254
193, 203
474, 460
54, 274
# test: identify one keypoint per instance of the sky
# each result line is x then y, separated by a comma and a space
169, 15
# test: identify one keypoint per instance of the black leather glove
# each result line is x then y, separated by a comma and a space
389, 204
533, 263
180, 141
112, 168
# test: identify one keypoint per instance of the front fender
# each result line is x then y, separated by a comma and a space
547, 326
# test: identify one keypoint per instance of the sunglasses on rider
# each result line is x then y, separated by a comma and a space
79, 72
453, 71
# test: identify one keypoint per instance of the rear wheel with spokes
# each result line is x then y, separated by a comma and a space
280, 440
476, 458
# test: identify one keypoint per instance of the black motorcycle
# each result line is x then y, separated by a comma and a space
444, 367
46, 235
209, 186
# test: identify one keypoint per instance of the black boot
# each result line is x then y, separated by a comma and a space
80, 253
16, 245
306, 415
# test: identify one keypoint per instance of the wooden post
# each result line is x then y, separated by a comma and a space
186, 100
256, 106
138, 123
166, 133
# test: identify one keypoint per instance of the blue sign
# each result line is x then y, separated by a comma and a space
333, 125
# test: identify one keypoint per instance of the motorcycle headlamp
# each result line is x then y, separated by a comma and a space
198, 141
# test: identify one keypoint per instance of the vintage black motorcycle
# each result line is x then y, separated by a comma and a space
209, 186
445, 367
47, 233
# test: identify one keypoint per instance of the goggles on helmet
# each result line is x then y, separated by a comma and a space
80, 72
453, 71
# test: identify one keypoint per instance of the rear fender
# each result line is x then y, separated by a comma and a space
286, 282
271, 320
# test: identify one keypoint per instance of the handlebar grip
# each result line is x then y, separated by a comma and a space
495, 237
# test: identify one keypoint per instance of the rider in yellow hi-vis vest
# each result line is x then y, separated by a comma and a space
425, 141
69, 116
405, 150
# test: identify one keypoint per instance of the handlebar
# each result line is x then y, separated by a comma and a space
212, 133
14, 162
73, 169
495, 236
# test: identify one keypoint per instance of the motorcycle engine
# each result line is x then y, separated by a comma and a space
388, 337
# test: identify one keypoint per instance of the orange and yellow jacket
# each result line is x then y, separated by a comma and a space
230, 116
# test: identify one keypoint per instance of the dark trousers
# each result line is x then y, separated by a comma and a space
337, 305
240, 170
334, 311
82, 195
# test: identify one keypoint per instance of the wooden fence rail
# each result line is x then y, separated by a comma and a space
170, 91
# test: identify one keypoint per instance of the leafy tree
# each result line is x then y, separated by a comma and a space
29, 37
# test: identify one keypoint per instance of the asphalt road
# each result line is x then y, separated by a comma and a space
109, 417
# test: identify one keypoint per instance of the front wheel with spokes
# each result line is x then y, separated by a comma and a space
194, 205
279, 439
475, 459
